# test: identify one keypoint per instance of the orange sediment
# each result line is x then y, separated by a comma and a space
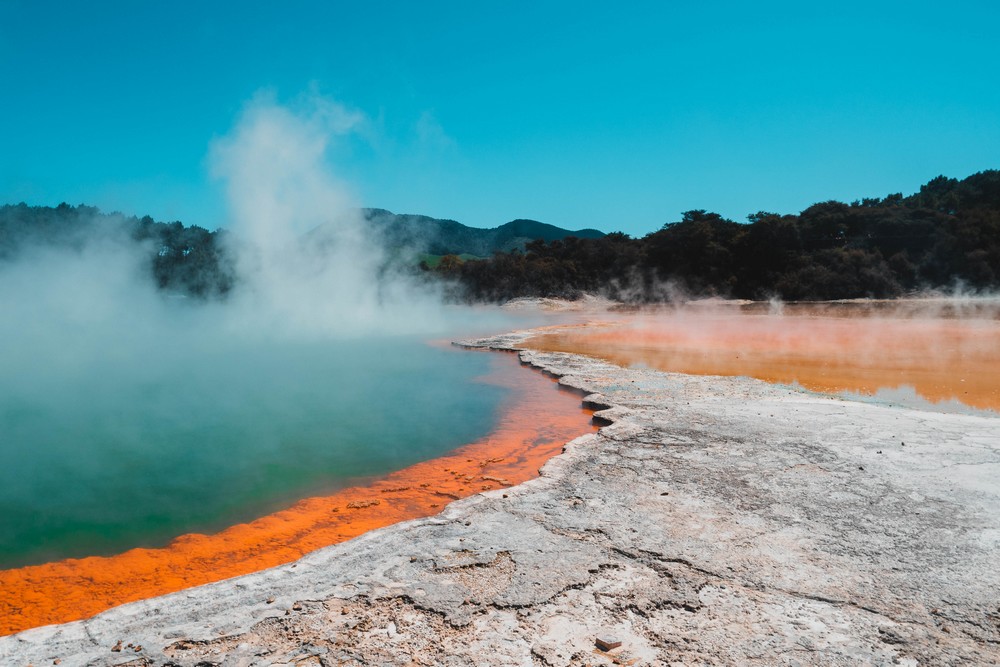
828, 350
534, 426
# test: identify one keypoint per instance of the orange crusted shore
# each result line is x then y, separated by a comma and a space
827, 349
534, 426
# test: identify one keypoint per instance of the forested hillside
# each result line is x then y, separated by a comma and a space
415, 235
947, 235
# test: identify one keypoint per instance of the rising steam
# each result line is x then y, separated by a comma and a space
306, 262
71, 313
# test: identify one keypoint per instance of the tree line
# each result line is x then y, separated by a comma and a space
184, 259
946, 235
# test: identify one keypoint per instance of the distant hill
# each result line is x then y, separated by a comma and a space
421, 234
192, 260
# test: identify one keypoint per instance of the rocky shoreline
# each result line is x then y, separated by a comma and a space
712, 521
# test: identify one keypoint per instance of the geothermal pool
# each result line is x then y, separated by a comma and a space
123, 460
923, 353
123, 490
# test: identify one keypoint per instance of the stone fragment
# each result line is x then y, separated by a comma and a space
607, 641
361, 504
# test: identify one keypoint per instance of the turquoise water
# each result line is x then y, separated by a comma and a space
134, 452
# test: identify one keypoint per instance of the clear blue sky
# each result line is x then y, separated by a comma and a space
616, 116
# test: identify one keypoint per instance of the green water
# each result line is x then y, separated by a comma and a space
133, 453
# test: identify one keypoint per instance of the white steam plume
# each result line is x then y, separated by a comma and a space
305, 261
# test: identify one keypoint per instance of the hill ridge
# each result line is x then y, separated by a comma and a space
442, 236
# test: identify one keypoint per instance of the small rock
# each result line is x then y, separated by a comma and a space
361, 504
117, 648
606, 641
270, 600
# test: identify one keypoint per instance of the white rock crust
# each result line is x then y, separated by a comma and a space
714, 521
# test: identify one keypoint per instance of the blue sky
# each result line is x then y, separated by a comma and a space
617, 116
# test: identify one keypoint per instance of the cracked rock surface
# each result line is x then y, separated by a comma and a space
713, 521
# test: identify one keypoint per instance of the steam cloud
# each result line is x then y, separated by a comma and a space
307, 267
306, 262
